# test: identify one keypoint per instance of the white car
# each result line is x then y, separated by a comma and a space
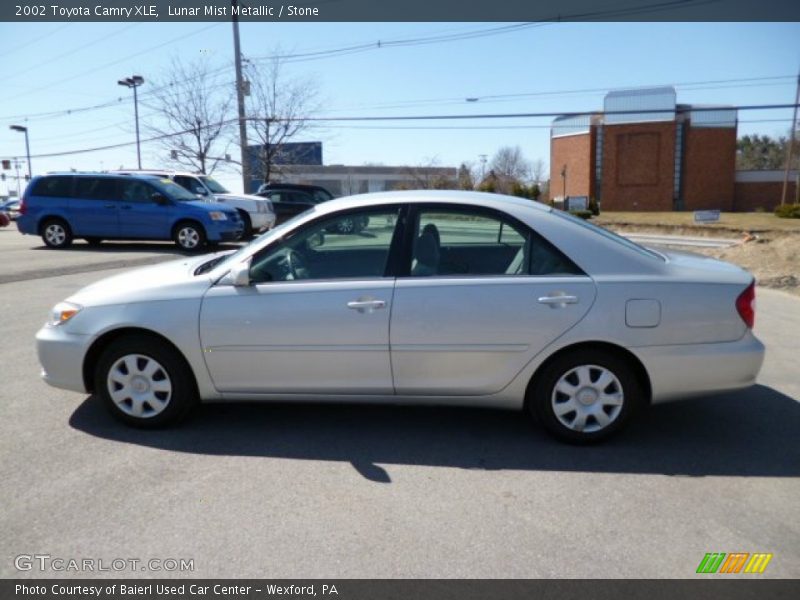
453, 298
257, 213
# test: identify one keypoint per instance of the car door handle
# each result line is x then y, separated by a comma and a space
111, 206
126, 207
558, 300
366, 305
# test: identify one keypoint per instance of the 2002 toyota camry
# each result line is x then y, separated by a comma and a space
443, 297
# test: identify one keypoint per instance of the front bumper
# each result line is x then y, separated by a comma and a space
695, 369
262, 221
61, 355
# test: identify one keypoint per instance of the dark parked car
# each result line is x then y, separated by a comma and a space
291, 199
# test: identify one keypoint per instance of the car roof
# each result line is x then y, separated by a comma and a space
157, 172
103, 174
498, 201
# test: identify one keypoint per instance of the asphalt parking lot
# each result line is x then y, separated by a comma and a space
365, 492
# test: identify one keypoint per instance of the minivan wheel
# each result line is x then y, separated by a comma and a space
56, 233
144, 383
585, 396
189, 236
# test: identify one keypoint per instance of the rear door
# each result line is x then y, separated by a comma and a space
94, 208
482, 295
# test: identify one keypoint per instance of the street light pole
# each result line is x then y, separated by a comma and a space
27, 146
133, 82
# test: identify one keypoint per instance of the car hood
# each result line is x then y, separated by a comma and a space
209, 205
697, 267
165, 281
239, 197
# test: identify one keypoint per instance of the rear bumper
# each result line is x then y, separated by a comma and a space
695, 369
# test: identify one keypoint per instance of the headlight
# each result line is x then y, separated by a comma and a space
217, 216
63, 312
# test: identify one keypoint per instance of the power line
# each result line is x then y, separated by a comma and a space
418, 117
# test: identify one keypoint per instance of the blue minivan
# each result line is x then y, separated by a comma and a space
98, 206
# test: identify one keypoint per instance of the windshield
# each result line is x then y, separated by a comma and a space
609, 235
214, 185
172, 190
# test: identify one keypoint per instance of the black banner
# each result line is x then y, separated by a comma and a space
391, 589
405, 11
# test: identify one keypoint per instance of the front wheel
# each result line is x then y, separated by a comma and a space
585, 396
189, 236
144, 383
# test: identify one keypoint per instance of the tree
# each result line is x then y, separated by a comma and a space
758, 152
278, 109
507, 166
194, 117
464, 177
538, 171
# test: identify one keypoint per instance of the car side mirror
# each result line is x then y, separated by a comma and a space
159, 199
240, 274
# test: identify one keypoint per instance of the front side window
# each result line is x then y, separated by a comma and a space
191, 184
351, 246
136, 191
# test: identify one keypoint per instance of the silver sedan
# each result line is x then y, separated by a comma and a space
442, 298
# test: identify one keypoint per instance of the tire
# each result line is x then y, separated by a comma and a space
189, 236
144, 383
56, 233
94, 241
248, 225
585, 396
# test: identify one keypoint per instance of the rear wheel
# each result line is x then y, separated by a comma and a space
585, 396
144, 383
189, 236
56, 233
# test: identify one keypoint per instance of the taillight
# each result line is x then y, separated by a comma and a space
23, 205
746, 305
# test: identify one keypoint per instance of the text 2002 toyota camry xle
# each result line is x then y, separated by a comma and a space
443, 297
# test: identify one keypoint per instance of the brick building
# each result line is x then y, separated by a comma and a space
646, 152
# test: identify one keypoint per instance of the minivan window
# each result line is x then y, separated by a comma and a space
96, 188
60, 186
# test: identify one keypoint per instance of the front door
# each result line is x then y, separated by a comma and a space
315, 319
140, 217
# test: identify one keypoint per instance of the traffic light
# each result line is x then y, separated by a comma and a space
2, 176
6, 164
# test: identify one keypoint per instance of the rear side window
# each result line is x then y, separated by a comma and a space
55, 187
96, 188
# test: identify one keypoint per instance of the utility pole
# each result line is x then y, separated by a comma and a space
240, 97
791, 146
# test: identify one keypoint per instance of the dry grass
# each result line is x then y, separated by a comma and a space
729, 222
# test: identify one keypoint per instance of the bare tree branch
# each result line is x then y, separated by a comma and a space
278, 107
194, 111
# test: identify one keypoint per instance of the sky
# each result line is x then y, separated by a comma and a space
54, 68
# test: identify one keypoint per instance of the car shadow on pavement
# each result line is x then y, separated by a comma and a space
79, 246
748, 433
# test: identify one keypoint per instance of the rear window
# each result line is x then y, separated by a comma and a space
55, 187
609, 235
